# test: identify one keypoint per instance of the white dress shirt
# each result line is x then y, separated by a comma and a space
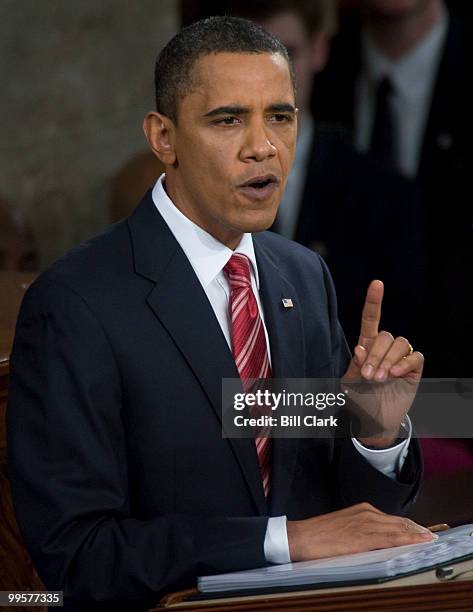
208, 257
413, 79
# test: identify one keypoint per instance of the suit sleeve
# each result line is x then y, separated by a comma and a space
356, 479
67, 456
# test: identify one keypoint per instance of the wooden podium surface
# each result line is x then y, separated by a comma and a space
12, 288
421, 592
16, 569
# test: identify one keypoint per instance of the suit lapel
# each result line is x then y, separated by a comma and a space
286, 340
181, 305
284, 324
439, 136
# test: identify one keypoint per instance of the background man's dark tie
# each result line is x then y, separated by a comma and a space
384, 139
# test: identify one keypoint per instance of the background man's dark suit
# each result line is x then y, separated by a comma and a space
363, 219
444, 180
123, 484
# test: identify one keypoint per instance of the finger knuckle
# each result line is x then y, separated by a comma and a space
374, 358
365, 506
395, 537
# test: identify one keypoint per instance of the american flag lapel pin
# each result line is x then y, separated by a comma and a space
287, 303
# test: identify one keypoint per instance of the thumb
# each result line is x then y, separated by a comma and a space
360, 355
356, 363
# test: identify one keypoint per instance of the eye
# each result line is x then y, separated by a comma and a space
281, 118
229, 120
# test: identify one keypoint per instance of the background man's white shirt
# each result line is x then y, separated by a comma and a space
413, 79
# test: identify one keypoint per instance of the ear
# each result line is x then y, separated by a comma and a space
159, 131
320, 49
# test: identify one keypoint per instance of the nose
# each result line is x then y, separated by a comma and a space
257, 146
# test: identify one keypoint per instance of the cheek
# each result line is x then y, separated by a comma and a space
287, 148
217, 162
214, 178
203, 164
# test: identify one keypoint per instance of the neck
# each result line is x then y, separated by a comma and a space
395, 37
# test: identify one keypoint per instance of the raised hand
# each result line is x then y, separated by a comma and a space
383, 375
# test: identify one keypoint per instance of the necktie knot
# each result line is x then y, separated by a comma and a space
237, 271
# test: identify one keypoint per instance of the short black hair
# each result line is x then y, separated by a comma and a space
173, 74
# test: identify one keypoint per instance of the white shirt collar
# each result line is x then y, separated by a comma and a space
206, 254
412, 72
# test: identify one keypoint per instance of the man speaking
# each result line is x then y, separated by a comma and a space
123, 485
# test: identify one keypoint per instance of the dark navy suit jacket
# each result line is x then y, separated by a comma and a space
364, 220
123, 485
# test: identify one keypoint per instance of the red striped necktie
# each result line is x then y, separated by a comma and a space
249, 344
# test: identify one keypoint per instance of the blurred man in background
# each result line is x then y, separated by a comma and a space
395, 82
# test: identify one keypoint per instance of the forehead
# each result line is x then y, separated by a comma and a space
221, 78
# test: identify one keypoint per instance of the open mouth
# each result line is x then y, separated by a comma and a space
260, 184
260, 188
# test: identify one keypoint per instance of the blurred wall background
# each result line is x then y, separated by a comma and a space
77, 79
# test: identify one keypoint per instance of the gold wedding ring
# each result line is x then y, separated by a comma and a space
411, 349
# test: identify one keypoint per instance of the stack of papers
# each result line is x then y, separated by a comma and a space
452, 544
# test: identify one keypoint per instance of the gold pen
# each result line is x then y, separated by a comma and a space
439, 527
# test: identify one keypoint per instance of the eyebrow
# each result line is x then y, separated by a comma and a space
243, 110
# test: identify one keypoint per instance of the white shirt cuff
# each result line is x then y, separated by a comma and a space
276, 544
389, 461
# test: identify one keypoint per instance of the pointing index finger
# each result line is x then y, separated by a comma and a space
371, 314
